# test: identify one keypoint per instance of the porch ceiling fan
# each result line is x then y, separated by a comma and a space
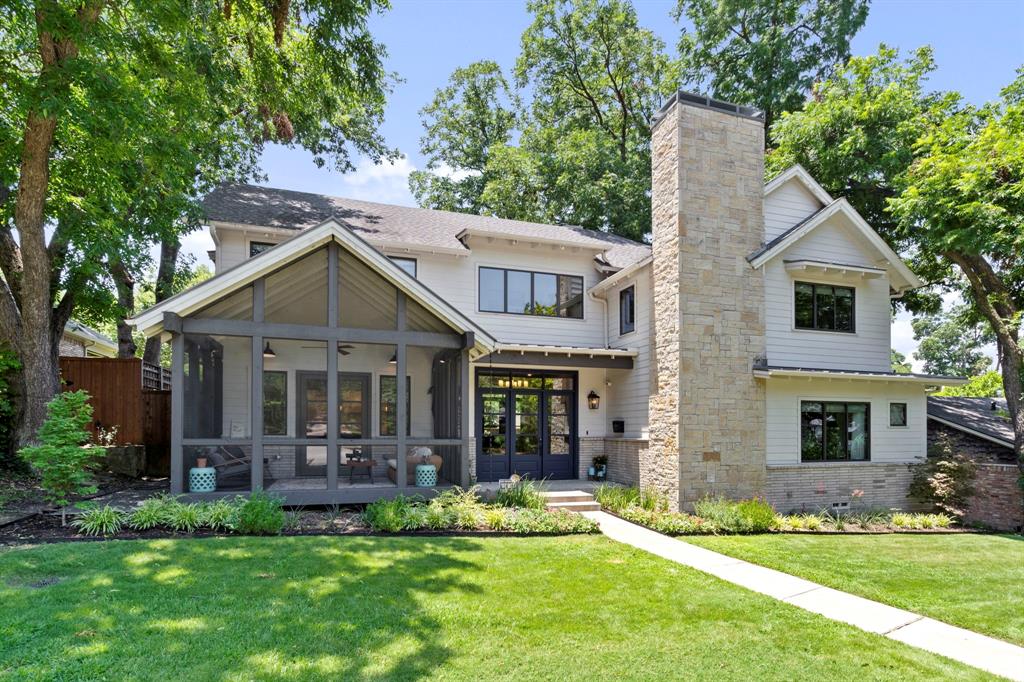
343, 348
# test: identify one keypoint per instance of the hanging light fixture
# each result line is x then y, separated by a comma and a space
393, 359
593, 400
268, 352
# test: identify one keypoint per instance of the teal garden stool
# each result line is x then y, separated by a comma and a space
202, 480
426, 476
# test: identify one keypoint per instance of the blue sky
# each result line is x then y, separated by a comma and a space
978, 44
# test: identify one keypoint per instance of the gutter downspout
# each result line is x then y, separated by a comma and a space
604, 304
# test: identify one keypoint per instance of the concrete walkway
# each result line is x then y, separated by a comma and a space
987, 653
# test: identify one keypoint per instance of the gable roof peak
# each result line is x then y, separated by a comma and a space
800, 174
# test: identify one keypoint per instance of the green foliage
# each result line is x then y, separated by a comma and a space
62, 459
945, 479
221, 515
921, 521
464, 507
9, 365
389, 516
669, 523
744, 516
558, 521
152, 512
524, 493
987, 385
617, 498
949, 343
766, 53
184, 518
261, 514
899, 362
96, 520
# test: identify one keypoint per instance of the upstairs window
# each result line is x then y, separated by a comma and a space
256, 248
824, 307
530, 293
407, 264
627, 310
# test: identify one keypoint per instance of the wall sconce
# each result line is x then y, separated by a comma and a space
268, 352
393, 360
593, 400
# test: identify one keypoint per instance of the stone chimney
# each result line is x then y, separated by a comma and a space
707, 416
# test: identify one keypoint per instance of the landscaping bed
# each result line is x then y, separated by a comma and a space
727, 517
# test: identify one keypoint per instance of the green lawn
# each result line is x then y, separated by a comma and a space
407, 608
974, 581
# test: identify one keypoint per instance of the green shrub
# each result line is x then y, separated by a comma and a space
812, 522
758, 516
416, 517
62, 458
389, 516
97, 520
151, 513
465, 509
744, 516
901, 520
496, 518
9, 366
869, 519
524, 493
185, 518
945, 479
669, 523
533, 521
438, 517
220, 515
261, 514
617, 498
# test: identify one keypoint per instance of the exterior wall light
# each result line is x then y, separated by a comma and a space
268, 352
593, 400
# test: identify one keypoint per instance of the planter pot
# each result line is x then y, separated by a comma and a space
591, 471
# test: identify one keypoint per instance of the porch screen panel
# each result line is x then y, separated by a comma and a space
297, 294
217, 383
367, 441
365, 299
435, 397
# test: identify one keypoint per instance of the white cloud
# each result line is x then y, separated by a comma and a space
386, 183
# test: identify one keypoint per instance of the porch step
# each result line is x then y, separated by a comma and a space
572, 500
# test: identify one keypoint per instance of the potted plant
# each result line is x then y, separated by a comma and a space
600, 468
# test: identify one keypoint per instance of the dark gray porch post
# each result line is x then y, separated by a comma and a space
256, 418
332, 368
177, 412
401, 467
466, 396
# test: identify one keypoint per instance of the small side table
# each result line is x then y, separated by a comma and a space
366, 464
426, 476
202, 480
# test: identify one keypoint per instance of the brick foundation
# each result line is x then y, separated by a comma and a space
813, 487
624, 459
589, 448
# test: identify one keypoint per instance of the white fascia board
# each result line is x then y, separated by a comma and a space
799, 173
566, 350
770, 373
531, 239
612, 280
383, 244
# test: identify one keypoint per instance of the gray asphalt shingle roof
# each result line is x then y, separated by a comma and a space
288, 209
974, 414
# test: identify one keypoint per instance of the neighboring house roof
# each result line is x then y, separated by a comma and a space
904, 278
799, 174
977, 416
150, 321
92, 339
241, 204
766, 371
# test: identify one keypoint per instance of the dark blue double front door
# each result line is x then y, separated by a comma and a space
526, 425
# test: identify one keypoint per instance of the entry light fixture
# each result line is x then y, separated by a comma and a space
268, 352
593, 400
393, 359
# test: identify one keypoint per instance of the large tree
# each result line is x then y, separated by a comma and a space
941, 180
950, 343
117, 114
766, 53
594, 79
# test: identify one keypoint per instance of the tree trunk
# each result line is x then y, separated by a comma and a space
164, 290
125, 284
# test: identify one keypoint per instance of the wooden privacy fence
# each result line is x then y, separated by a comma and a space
121, 397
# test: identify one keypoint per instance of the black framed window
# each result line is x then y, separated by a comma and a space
530, 293
835, 431
824, 307
275, 403
256, 248
627, 310
897, 414
407, 264
389, 405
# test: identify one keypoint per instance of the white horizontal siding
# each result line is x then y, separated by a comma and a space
888, 444
787, 206
630, 388
865, 349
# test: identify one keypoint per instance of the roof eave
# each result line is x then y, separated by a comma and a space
926, 379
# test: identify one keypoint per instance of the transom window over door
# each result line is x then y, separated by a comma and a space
824, 307
835, 431
530, 293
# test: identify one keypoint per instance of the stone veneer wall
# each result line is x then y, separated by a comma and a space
624, 459
707, 430
69, 347
811, 487
998, 501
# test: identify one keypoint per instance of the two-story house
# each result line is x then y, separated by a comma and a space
348, 350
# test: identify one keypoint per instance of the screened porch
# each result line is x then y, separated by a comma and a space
291, 383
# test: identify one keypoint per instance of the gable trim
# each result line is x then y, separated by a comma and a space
799, 173
252, 269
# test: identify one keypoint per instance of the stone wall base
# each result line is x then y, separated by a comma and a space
813, 487
997, 502
624, 459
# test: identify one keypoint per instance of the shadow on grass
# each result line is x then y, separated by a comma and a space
239, 608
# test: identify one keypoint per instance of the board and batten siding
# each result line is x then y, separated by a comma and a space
630, 389
866, 349
787, 206
891, 444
